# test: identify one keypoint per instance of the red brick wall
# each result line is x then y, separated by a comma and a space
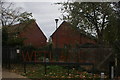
33, 35
65, 34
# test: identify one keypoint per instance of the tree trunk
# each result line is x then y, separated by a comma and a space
100, 39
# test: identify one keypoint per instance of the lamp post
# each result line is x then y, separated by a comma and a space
56, 20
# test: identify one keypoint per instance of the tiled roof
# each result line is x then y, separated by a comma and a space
19, 27
64, 23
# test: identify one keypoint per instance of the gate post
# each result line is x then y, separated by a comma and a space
9, 55
111, 70
25, 67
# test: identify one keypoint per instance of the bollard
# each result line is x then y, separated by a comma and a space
102, 76
112, 72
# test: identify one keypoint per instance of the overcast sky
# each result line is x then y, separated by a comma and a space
44, 11
45, 14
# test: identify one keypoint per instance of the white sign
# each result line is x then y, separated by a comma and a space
18, 51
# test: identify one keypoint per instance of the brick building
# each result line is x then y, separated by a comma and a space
66, 35
30, 32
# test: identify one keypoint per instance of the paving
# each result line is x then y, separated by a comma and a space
6, 75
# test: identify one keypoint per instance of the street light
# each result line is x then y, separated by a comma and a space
56, 20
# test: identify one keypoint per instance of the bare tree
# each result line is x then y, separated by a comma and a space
10, 15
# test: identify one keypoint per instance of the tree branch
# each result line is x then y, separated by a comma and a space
103, 22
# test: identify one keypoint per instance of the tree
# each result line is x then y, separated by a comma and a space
9, 16
89, 17
112, 32
116, 42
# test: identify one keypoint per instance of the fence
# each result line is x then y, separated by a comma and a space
9, 56
98, 58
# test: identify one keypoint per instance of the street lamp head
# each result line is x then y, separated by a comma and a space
56, 20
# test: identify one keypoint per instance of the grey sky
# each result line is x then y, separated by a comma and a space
44, 13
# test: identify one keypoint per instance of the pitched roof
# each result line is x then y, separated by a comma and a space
63, 23
22, 27
66, 24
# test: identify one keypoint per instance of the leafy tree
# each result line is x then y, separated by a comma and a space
15, 41
89, 17
116, 42
99, 18
112, 32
